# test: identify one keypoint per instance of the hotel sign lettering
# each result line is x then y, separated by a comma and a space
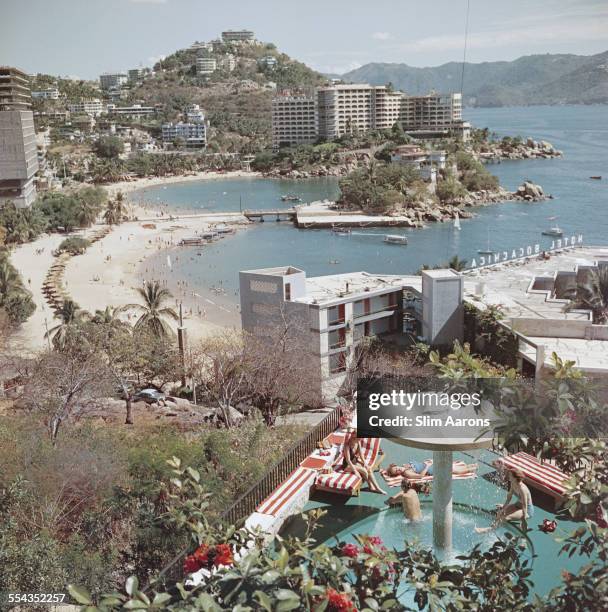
527, 251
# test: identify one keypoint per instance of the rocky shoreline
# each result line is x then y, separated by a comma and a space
430, 211
494, 151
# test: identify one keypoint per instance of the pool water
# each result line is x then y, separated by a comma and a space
397, 531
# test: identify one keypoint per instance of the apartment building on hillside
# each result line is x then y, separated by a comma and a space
238, 36
88, 106
18, 151
108, 80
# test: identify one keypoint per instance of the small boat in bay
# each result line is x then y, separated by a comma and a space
341, 230
487, 251
596, 178
457, 222
290, 198
555, 231
395, 239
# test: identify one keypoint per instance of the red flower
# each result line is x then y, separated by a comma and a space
350, 550
339, 602
223, 555
202, 554
191, 565
375, 540
567, 576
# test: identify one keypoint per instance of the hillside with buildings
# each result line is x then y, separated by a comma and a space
529, 80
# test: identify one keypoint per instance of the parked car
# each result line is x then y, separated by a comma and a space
150, 396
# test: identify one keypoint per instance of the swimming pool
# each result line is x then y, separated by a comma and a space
474, 503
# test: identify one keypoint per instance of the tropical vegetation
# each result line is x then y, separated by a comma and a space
15, 299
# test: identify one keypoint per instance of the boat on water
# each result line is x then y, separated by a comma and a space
290, 198
488, 250
596, 178
555, 231
341, 230
457, 222
395, 239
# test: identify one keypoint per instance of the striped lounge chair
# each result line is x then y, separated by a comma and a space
348, 483
395, 481
542, 476
283, 497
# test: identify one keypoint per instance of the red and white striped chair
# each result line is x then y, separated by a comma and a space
348, 483
542, 476
283, 497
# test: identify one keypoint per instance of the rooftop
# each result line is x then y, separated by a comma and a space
327, 289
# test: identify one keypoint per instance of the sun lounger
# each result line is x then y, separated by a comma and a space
542, 476
348, 483
395, 481
281, 499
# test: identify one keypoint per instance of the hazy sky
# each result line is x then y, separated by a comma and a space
86, 37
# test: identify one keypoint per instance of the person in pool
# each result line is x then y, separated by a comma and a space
521, 510
353, 462
415, 470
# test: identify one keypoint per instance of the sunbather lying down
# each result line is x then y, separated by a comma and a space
416, 470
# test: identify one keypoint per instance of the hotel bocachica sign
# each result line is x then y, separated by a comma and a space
526, 251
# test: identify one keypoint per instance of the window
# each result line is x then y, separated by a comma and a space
262, 286
264, 309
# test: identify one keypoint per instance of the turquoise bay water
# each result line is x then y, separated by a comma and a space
580, 204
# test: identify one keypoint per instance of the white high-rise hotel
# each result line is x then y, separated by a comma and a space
331, 112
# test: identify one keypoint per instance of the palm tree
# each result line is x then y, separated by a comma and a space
10, 283
70, 316
592, 293
457, 264
153, 310
115, 210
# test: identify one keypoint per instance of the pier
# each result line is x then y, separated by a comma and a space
279, 214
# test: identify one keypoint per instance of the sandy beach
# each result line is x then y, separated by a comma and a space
130, 186
109, 272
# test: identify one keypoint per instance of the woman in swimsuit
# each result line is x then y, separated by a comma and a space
521, 510
353, 462
416, 470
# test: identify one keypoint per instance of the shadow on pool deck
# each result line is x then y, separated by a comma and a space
483, 492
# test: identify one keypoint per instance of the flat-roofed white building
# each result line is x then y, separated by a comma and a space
206, 65
51, 93
419, 158
294, 120
195, 114
135, 110
434, 112
238, 36
88, 106
227, 62
333, 314
193, 135
113, 79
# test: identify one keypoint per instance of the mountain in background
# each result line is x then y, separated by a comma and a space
529, 80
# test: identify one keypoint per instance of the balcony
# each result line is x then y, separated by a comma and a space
359, 315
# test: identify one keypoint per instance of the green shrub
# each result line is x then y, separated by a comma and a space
75, 245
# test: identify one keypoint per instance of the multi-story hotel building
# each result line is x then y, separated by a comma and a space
238, 36
18, 151
358, 108
294, 120
193, 135
434, 113
331, 315
114, 79
88, 106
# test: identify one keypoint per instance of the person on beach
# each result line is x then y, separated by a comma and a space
353, 462
415, 470
521, 510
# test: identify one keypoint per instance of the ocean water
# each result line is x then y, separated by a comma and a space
580, 205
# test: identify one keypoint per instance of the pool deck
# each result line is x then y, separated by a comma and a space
481, 492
